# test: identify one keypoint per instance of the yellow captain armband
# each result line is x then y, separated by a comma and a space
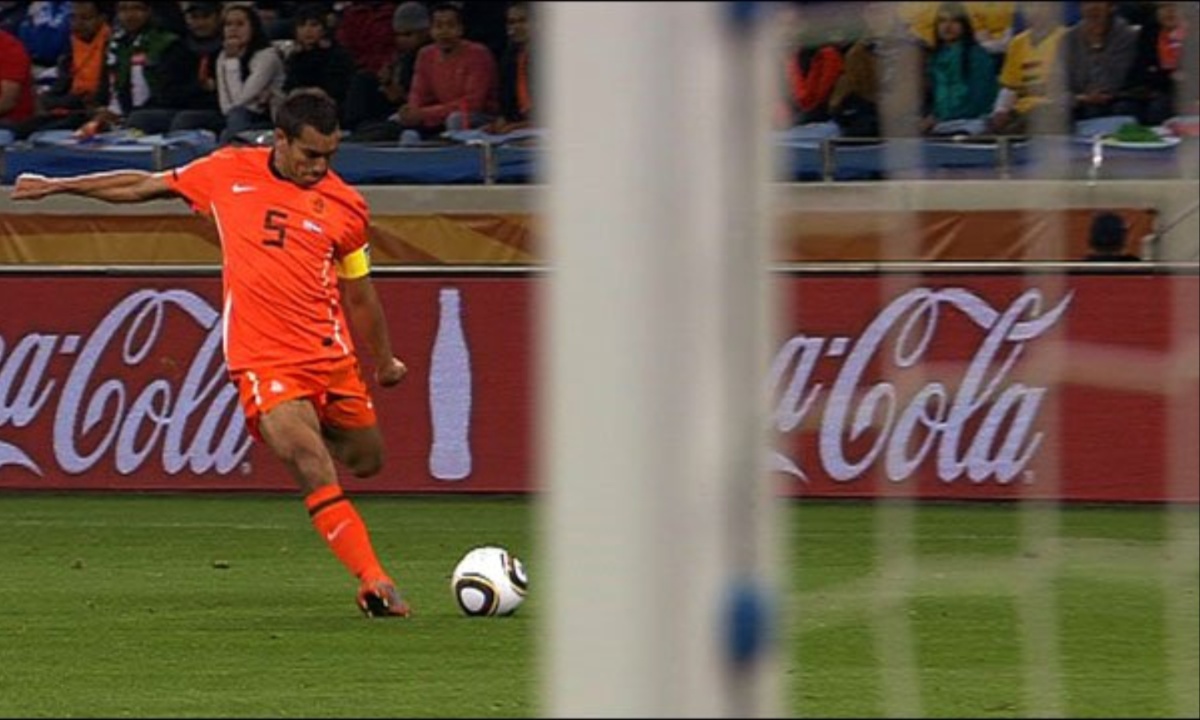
355, 265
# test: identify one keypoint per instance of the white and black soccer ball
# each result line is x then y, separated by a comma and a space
489, 581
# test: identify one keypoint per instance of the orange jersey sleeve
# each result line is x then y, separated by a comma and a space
282, 247
195, 180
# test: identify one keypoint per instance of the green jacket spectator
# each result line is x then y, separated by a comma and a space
149, 73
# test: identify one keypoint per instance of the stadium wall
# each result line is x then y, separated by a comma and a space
962, 220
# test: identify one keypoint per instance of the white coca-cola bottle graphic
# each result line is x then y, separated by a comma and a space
450, 393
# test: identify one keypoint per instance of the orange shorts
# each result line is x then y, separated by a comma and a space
335, 389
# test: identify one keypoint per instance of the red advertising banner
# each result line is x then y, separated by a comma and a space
990, 386
965, 386
119, 383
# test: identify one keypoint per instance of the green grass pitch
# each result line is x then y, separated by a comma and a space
230, 606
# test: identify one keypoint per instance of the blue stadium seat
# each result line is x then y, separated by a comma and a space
410, 165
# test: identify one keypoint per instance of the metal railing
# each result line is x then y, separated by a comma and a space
825, 159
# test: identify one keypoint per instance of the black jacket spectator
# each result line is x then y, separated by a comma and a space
315, 59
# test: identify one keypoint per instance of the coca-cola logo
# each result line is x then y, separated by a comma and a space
938, 419
192, 422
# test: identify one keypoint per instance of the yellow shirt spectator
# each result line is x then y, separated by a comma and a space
993, 23
1027, 67
920, 18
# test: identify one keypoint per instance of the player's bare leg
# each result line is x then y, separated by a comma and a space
359, 450
291, 430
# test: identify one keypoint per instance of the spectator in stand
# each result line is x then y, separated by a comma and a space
918, 21
872, 68
1100, 49
1032, 67
455, 81
169, 16
205, 38
812, 66
516, 73
315, 59
995, 24
365, 30
1106, 240
960, 80
204, 33
16, 82
76, 94
12, 12
250, 73
149, 75
1158, 65
411, 26
277, 18
46, 32
372, 111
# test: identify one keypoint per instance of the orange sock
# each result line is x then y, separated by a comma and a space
340, 525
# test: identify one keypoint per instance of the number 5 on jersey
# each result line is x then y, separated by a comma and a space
274, 222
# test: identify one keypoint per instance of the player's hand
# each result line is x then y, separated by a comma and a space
390, 373
31, 186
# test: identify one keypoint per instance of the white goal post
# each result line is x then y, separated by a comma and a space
657, 516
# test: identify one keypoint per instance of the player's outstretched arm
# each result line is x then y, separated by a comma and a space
366, 314
119, 186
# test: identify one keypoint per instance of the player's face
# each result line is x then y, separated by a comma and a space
305, 159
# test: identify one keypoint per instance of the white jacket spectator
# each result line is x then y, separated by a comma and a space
258, 89
250, 72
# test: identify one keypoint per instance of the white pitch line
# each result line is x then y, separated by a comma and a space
160, 525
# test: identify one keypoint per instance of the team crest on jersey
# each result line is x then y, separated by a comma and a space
318, 205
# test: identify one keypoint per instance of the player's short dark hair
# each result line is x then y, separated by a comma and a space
307, 106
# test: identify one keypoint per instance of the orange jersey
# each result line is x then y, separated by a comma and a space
282, 246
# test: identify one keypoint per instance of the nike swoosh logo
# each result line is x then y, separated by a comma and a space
239, 189
337, 530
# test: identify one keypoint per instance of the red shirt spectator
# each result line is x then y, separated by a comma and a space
365, 30
811, 76
16, 80
464, 80
452, 74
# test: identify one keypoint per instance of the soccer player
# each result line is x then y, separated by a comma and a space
290, 229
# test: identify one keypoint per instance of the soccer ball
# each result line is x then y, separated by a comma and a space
488, 581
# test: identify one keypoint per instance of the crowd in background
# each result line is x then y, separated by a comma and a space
408, 70
972, 68
411, 71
